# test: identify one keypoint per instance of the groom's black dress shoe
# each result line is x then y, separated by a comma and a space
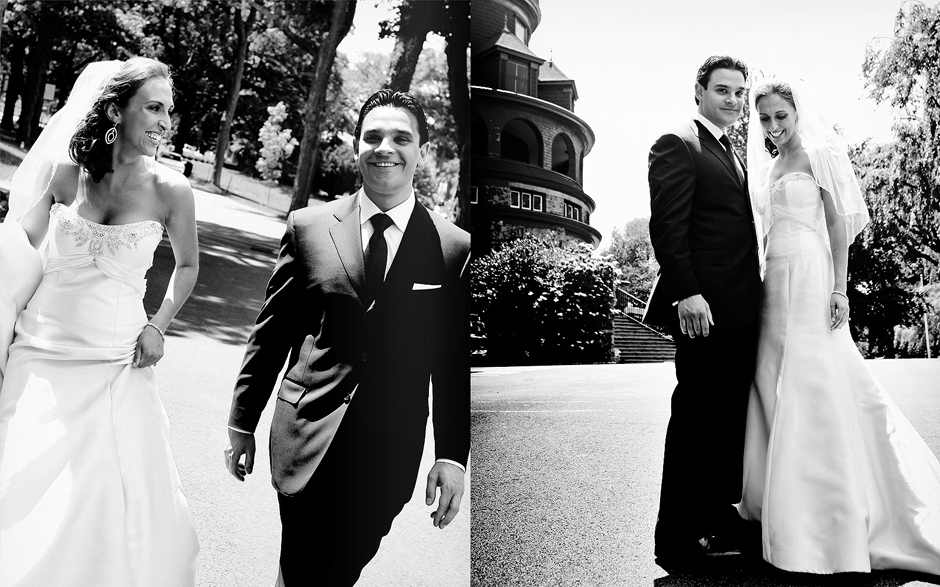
719, 546
701, 554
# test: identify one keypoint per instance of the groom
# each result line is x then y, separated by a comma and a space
367, 304
706, 295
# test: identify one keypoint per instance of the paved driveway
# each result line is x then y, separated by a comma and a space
567, 468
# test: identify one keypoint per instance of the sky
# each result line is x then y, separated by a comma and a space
634, 65
364, 35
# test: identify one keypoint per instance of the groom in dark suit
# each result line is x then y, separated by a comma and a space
707, 296
367, 304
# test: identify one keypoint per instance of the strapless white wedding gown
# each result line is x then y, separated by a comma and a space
89, 492
838, 477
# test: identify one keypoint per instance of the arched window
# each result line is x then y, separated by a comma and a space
479, 137
563, 155
520, 142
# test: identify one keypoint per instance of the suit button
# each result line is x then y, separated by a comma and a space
347, 398
365, 357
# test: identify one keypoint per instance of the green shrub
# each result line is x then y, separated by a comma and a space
542, 303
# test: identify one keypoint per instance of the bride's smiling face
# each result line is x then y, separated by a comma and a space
146, 118
777, 119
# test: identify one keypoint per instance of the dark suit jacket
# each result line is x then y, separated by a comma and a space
702, 230
339, 352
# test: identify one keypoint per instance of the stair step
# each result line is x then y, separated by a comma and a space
639, 344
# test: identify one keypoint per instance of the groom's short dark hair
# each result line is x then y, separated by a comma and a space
402, 100
718, 62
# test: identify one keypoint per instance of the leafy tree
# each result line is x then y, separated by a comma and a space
906, 75
3, 10
911, 340
187, 36
882, 271
451, 20
54, 41
544, 303
633, 251
242, 26
277, 143
317, 28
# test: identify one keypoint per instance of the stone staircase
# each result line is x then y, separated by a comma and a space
639, 343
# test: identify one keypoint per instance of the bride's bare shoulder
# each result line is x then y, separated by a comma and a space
64, 184
171, 184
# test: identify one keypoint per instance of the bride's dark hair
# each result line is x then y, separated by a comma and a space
87, 146
770, 88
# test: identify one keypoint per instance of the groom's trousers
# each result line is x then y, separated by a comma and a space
333, 527
703, 460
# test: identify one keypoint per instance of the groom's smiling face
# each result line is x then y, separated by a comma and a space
723, 99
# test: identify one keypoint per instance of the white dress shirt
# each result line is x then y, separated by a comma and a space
400, 216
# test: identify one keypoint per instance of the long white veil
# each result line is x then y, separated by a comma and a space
33, 175
20, 263
828, 158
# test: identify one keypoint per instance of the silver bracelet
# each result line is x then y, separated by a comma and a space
157, 328
839, 293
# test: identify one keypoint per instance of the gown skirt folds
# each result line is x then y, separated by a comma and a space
89, 491
838, 477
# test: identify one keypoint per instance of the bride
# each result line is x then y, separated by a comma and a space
89, 492
839, 479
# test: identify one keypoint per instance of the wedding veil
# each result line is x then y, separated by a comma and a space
828, 158
34, 174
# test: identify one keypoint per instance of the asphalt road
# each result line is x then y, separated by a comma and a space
237, 523
567, 468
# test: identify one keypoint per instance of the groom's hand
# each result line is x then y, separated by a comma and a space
240, 443
695, 316
450, 479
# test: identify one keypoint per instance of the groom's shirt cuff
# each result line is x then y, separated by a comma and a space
455, 463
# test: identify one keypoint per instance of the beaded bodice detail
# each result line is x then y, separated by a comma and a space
102, 237
781, 183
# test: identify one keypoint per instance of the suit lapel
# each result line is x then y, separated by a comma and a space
415, 253
709, 141
347, 238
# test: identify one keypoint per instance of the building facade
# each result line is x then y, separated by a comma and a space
528, 145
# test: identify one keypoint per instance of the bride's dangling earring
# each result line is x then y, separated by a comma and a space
111, 135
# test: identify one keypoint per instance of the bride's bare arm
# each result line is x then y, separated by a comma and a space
60, 189
837, 241
36, 221
181, 228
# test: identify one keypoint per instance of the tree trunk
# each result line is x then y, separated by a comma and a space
416, 19
182, 132
37, 63
242, 28
3, 9
415, 22
14, 85
340, 23
456, 51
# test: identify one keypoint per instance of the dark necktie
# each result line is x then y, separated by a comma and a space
377, 254
726, 142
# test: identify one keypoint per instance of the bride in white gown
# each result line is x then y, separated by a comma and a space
89, 492
838, 478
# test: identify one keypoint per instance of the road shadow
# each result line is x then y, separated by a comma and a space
234, 267
750, 574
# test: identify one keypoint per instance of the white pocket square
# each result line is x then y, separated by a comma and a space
418, 286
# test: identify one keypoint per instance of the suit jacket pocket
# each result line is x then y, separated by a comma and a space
710, 257
291, 392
